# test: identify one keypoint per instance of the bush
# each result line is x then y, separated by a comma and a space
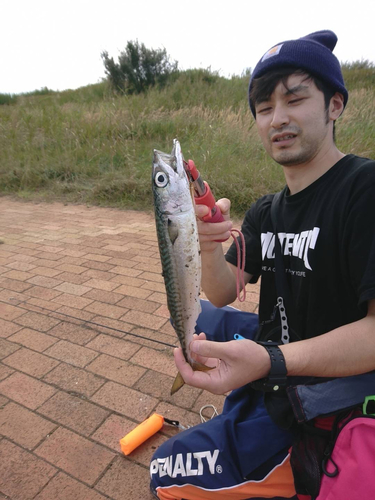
139, 68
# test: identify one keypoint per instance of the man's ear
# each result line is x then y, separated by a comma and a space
336, 106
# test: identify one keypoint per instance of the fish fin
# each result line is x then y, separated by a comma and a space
179, 381
172, 231
177, 384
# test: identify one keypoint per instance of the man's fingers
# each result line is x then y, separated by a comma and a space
208, 348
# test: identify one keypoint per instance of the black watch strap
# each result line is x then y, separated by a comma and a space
277, 377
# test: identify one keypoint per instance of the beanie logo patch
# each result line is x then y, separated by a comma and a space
272, 52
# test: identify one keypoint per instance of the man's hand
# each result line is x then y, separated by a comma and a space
236, 363
209, 232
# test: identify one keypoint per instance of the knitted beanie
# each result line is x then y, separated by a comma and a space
312, 53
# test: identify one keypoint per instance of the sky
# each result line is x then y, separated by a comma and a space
58, 44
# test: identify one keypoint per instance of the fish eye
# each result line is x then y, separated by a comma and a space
161, 179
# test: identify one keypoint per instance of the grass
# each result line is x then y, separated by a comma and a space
90, 146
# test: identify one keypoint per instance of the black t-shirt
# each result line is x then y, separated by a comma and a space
327, 235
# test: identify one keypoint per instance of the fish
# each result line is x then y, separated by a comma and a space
177, 233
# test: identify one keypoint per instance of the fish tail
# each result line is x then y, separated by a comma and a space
179, 381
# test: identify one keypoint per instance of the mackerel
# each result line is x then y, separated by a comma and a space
178, 240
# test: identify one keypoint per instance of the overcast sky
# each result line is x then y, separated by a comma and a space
57, 44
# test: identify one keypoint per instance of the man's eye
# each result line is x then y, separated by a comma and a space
263, 110
296, 101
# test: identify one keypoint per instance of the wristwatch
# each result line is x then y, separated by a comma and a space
276, 379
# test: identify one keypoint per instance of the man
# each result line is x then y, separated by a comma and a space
320, 308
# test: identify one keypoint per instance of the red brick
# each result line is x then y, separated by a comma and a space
7, 348
48, 256
72, 313
7, 328
47, 272
138, 304
74, 261
17, 286
161, 362
22, 475
97, 274
63, 487
126, 271
30, 362
127, 280
45, 263
39, 322
156, 340
5, 371
125, 472
126, 401
106, 309
154, 286
72, 288
107, 286
97, 257
11, 297
44, 281
9, 312
40, 292
23, 426
100, 266
18, 275
75, 455
112, 327
73, 333
41, 304
77, 279
73, 412
143, 319
71, 268
34, 340
71, 353
74, 380
113, 346
146, 267
159, 386
20, 266
104, 296
112, 430
26, 390
157, 277
116, 369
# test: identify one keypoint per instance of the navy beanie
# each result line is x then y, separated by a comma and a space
312, 53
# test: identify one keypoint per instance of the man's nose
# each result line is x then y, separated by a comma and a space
280, 116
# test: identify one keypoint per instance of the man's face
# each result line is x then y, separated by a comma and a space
293, 123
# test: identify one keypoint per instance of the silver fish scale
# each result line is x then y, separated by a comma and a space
178, 243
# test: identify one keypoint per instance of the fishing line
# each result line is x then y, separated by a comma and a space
50, 315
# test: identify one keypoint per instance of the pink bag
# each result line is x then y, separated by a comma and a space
349, 471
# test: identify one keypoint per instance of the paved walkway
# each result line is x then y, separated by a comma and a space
82, 305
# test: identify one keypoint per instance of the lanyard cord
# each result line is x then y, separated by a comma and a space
241, 254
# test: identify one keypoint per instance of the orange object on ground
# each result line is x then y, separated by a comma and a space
141, 433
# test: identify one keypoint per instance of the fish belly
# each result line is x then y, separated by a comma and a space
182, 275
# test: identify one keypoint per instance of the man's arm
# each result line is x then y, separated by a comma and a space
348, 350
218, 275
345, 351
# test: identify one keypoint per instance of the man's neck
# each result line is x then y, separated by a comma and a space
299, 177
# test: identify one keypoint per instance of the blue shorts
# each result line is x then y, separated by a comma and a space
240, 454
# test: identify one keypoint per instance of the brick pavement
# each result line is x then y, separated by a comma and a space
69, 390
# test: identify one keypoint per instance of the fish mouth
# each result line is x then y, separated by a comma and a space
175, 160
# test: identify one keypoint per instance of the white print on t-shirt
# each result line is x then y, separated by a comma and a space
297, 245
